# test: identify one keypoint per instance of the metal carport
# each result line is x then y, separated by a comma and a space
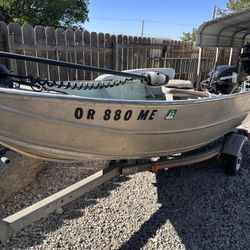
231, 31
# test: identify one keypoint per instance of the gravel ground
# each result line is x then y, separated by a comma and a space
193, 207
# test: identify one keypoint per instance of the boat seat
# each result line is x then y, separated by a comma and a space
176, 84
179, 84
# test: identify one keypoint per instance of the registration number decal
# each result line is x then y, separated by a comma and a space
115, 115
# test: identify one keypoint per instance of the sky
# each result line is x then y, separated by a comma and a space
162, 18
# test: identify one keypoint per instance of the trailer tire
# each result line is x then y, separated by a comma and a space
232, 163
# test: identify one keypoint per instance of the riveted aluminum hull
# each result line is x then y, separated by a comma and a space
69, 128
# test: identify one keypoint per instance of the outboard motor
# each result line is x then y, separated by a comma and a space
5, 78
222, 79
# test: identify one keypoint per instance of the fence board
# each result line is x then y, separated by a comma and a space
61, 54
101, 55
108, 55
163, 53
28, 38
140, 53
120, 53
70, 55
94, 58
87, 54
135, 53
79, 54
40, 39
52, 54
114, 52
15, 34
144, 52
130, 53
125, 53
148, 62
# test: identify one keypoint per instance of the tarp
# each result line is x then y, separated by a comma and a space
232, 30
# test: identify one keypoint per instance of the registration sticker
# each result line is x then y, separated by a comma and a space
171, 114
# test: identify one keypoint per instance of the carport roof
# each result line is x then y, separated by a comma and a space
232, 30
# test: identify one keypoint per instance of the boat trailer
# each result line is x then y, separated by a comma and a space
229, 150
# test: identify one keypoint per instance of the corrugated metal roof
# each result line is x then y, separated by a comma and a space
232, 30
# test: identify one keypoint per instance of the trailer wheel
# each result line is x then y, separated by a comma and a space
232, 163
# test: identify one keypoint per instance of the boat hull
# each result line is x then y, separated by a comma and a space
67, 128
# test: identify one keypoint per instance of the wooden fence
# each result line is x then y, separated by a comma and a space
98, 49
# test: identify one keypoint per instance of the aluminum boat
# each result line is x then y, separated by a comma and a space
140, 114
128, 121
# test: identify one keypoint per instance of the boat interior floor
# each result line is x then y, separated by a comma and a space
132, 90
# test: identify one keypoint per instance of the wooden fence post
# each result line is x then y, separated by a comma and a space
15, 31
11, 45
4, 42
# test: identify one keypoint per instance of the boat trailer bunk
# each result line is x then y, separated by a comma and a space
227, 149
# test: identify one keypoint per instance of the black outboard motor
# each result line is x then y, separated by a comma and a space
223, 79
5, 78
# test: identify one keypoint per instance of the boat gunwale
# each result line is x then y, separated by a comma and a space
43, 95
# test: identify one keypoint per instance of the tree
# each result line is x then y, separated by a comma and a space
56, 13
189, 36
233, 6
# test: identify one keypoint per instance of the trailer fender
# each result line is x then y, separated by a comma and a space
234, 144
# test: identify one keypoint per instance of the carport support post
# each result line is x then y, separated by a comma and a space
199, 69
216, 55
230, 56
215, 62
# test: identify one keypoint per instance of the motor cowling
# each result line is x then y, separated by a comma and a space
223, 79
